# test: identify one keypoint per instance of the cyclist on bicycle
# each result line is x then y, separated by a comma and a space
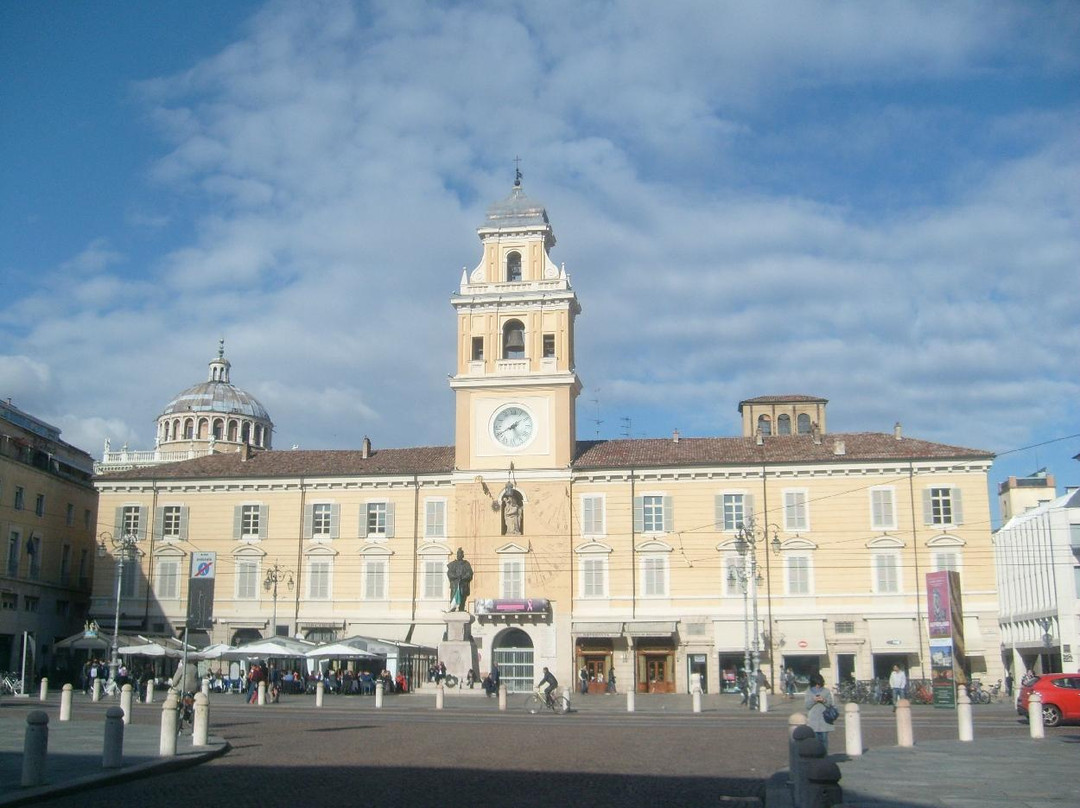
548, 683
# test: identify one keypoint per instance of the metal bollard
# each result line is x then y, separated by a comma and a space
566, 694
905, 736
439, 696
963, 715
809, 751
150, 692
43, 691
112, 755
320, 689
200, 729
630, 697
35, 749
65, 703
126, 698
502, 698
378, 695
262, 693
167, 745
1035, 716
822, 785
96, 696
852, 729
798, 732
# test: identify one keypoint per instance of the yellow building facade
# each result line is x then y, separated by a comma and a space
649, 558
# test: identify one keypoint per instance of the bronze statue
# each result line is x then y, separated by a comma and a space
459, 572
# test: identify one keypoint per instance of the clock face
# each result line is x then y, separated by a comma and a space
512, 427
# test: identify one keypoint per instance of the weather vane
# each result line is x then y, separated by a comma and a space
517, 172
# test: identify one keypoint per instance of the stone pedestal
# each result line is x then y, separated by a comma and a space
457, 651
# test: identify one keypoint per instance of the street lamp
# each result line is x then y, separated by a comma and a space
122, 546
748, 577
274, 576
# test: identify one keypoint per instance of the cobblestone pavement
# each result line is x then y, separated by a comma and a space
470, 754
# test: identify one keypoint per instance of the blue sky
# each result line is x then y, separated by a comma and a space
872, 203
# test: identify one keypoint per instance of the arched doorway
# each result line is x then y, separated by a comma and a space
513, 653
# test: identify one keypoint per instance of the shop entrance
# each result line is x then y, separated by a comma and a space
730, 665
845, 668
697, 663
654, 671
513, 652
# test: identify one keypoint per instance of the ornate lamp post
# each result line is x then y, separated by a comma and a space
274, 576
748, 577
123, 547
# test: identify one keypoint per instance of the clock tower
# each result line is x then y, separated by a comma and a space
515, 385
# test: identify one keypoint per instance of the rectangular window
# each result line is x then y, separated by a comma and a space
247, 579
882, 509
795, 516
33, 554
512, 578
168, 582
376, 519
319, 580
886, 572
798, 575
654, 576
31, 603
734, 511
844, 626
946, 560
88, 518
435, 519
478, 349
250, 521
65, 564
130, 523
39, 505
592, 515
375, 579
434, 574
170, 522
19, 498
732, 581
594, 576
653, 514
9, 601
941, 506
549, 346
14, 542
84, 560
69, 516
321, 520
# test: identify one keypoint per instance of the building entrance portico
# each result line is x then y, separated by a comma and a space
513, 653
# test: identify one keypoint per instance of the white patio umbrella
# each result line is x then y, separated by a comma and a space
216, 651
269, 648
350, 649
149, 649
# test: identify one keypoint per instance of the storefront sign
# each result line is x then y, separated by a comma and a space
513, 606
946, 616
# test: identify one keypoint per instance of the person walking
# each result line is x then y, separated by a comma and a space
817, 699
611, 679
898, 685
583, 677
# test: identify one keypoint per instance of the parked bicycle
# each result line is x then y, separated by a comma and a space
11, 684
538, 702
980, 695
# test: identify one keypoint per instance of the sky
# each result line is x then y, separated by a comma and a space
874, 203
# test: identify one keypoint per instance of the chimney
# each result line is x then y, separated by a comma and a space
245, 452
365, 451
896, 431
675, 436
815, 433
759, 439
839, 448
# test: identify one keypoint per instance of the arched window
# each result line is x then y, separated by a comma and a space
802, 423
258, 435
764, 425
204, 429
232, 431
513, 266
245, 432
513, 340
219, 429
189, 429
783, 425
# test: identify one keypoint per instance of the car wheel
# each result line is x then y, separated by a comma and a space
1051, 715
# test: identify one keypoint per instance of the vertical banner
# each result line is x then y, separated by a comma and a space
946, 613
200, 611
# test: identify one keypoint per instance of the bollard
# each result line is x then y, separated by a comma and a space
798, 732
65, 703
822, 785
43, 692
112, 755
440, 695
1035, 716
96, 696
200, 728
566, 695
167, 746
150, 691
905, 736
852, 730
206, 688
262, 693
126, 696
809, 751
378, 695
630, 696
35, 749
963, 715
695, 701
763, 700
320, 689
502, 698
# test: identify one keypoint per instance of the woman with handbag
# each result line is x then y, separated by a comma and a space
821, 712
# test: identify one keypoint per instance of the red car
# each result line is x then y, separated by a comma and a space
1060, 694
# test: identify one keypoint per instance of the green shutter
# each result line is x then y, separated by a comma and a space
309, 515
184, 513
335, 520
389, 520
669, 515
957, 507
159, 523
237, 522
927, 507
718, 512
639, 514
264, 521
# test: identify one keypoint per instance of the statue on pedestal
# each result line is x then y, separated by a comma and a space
512, 508
460, 573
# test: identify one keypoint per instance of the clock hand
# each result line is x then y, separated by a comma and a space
512, 426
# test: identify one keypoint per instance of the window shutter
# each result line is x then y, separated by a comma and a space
264, 520
927, 507
748, 507
718, 512
238, 519
361, 527
184, 511
669, 515
639, 514
140, 534
159, 523
957, 507
389, 520
335, 520
309, 512
118, 523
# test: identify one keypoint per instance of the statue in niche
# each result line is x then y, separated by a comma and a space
513, 507
460, 573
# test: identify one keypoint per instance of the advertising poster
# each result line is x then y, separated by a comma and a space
946, 619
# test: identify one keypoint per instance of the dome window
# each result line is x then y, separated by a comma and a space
783, 425
802, 424
764, 425
513, 267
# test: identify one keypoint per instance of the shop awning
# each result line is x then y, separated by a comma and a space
651, 628
731, 636
598, 629
974, 644
894, 635
801, 636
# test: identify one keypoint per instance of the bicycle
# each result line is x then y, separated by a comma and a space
977, 694
537, 702
11, 684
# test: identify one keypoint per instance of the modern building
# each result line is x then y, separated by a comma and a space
48, 514
1037, 556
650, 557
